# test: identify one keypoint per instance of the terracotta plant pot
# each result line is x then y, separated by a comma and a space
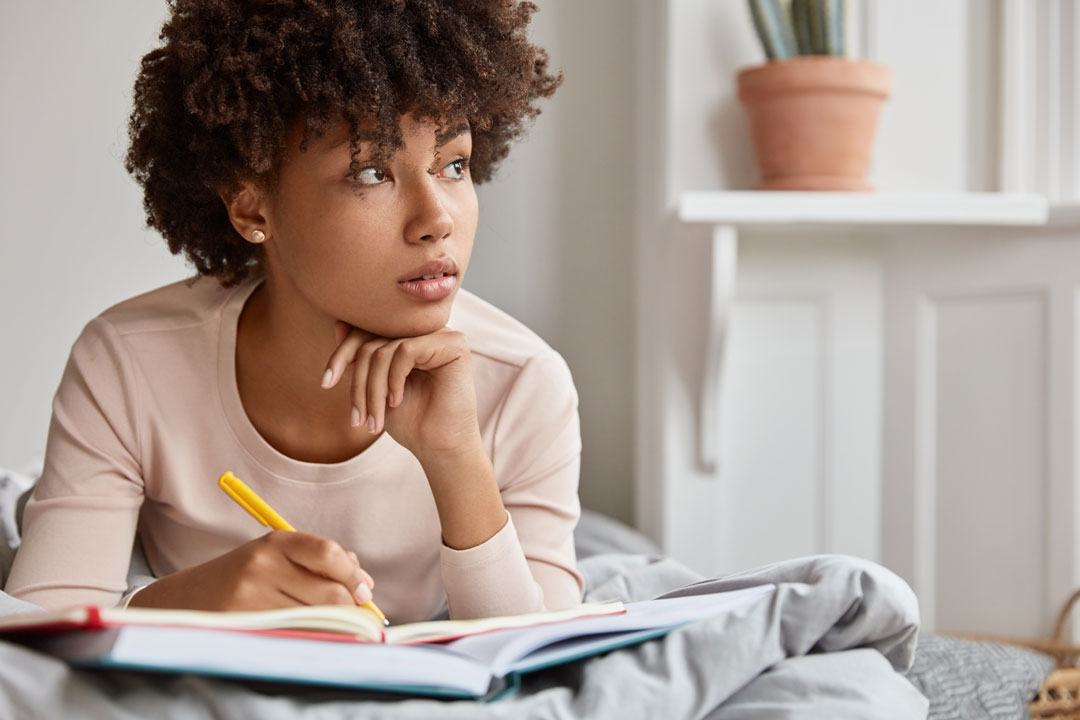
813, 120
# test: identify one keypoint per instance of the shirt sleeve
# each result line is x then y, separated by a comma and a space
529, 565
79, 525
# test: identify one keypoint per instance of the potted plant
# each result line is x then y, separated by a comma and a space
813, 112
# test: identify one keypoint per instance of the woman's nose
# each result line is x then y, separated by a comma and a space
431, 219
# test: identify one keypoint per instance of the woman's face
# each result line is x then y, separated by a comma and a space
353, 246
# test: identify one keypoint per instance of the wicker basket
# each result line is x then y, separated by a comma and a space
1058, 697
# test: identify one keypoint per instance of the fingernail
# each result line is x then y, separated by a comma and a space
355, 417
371, 424
362, 594
327, 377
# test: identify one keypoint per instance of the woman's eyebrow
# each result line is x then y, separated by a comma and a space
450, 133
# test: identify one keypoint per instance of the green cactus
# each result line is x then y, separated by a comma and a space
832, 13
801, 22
774, 28
799, 27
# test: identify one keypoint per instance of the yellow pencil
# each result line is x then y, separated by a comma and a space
246, 498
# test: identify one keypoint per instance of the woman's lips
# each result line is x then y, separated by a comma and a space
433, 289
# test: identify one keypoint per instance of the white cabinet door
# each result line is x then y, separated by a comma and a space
801, 445
980, 502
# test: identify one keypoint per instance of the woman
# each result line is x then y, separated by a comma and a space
315, 161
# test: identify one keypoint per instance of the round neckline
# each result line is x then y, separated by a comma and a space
256, 446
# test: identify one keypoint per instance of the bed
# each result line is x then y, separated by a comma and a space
825, 649
961, 678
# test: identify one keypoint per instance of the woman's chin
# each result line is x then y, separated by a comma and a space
400, 327
401, 320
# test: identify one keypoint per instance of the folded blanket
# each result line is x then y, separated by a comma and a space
831, 642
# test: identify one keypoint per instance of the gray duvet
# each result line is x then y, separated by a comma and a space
831, 642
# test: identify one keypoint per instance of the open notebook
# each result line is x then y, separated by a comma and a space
484, 661
323, 622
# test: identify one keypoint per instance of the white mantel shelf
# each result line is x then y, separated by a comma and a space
827, 208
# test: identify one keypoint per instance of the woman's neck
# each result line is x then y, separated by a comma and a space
282, 349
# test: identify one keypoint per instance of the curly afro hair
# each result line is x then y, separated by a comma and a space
213, 103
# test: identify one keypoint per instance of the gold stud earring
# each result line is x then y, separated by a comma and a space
258, 236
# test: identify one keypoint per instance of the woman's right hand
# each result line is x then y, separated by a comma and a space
279, 569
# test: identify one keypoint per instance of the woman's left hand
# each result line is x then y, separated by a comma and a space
420, 389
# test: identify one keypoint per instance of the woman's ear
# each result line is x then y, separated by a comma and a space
246, 206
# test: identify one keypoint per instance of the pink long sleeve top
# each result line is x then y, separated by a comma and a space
147, 417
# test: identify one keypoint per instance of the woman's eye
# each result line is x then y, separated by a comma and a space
370, 176
456, 169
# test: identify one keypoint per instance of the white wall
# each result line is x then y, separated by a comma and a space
72, 240
553, 245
